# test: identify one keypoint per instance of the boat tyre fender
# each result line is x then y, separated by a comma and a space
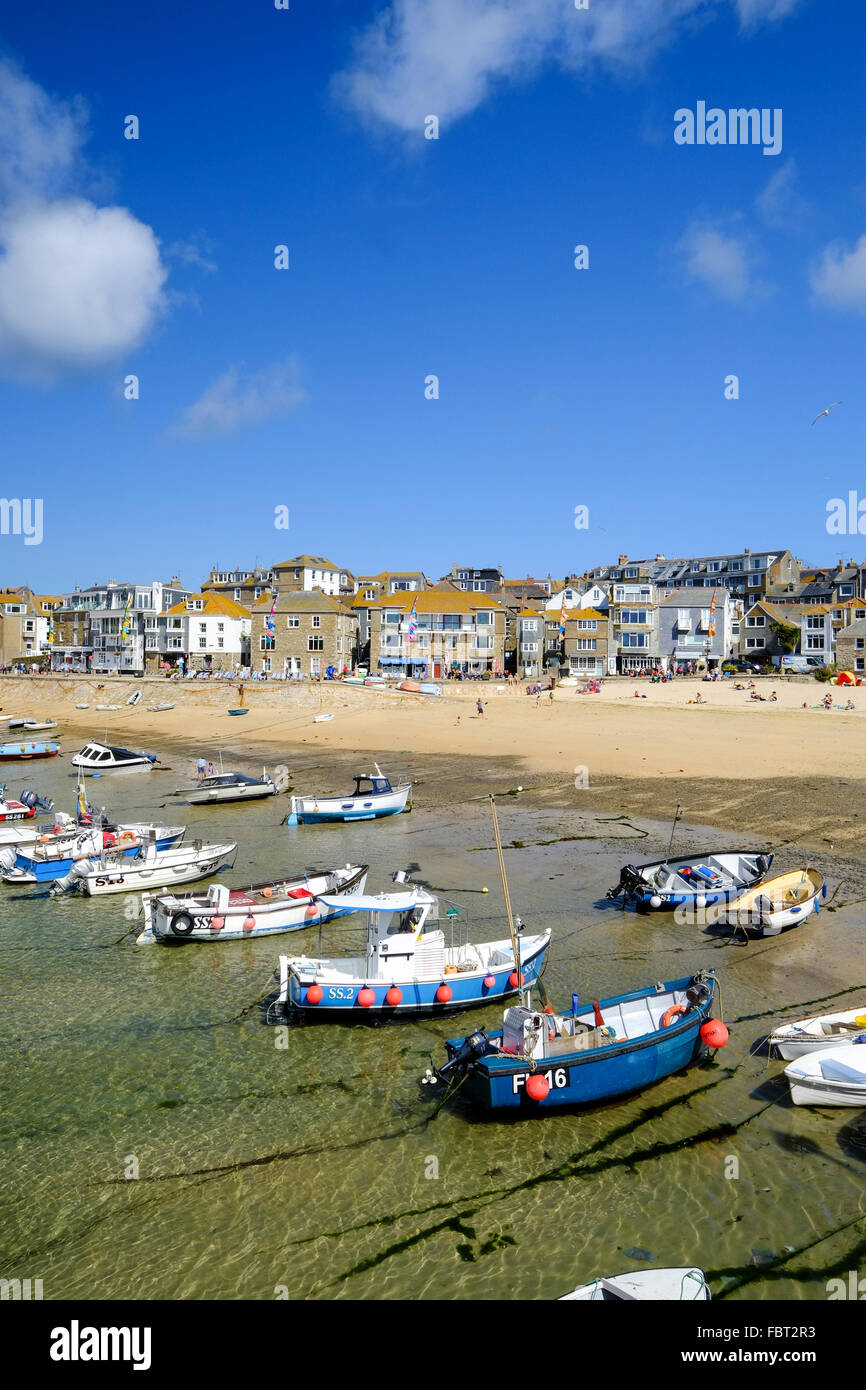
182, 924
671, 1013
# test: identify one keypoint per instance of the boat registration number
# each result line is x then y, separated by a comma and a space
104, 882
556, 1080
341, 992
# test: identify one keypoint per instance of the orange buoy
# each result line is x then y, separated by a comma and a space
267, 892
670, 1014
394, 996
366, 997
714, 1032
218, 923
514, 981
249, 923
443, 994
312, 911
537, 1087
315, 994
489, 981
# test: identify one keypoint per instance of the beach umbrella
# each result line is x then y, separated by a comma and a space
846, 678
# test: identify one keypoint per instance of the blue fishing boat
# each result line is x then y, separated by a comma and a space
703, 879
373, 796
407, 967
15, 752
55, 856
542, 1061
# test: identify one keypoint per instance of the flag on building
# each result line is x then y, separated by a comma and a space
712, 625
270, 621
413, 621
126, 623
562, 616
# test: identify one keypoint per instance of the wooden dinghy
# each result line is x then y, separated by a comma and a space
782, 901
670, 1285
793, 1040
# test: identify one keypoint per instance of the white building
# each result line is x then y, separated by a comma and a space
205, 632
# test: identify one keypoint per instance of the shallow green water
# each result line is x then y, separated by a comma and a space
310, 1160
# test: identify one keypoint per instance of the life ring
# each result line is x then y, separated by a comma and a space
182, 924
670, 1014
126, 835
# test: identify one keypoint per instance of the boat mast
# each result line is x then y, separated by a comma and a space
674, 826
505, 894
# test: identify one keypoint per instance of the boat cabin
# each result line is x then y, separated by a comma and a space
369, 784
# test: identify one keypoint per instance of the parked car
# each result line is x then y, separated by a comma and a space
745, 667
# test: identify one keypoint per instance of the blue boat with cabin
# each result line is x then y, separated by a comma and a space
539, 1062
373, 796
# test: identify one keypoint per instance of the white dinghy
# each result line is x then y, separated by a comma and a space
149, 868
793, 1040
836, 1076
782, 901
674, 1285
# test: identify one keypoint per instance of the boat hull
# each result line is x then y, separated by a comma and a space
30, 870
309, 810
655, 1285
497, 1081
128, 879
340, 1000
221, 795
21, 752
793, 1040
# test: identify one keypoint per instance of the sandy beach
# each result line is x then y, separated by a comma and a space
773, 767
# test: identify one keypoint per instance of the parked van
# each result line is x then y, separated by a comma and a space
798, 665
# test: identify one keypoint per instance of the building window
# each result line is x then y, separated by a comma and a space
266, 663
266, 643
202, 642
317, 622
293, 620
237, 595
315, 644
315, 666
754, 643
221, 641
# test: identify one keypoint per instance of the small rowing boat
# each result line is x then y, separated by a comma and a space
702, 879
674, 1285
785, 900
793, 1040
833, 1077
234, 914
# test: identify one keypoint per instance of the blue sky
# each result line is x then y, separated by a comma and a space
304, 388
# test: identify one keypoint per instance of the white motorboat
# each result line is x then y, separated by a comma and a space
793, 1040
147, 868
373, 796
836, 1076
33, 726
782, 901
53, 855
712, 877
228, 786
232, 914
675, 1285
407, 967
105, 757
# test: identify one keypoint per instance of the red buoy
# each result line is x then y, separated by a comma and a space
366, 997
443, 994
249, 923
489, 981
714, 1033
394, 996
315, 994
218, 923
537, 1087
514, 981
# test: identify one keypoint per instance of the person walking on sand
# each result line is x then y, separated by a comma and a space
479, 705
241, 694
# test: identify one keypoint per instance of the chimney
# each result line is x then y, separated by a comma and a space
660, 557
622, 559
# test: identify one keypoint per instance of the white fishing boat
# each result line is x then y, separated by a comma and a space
29, 832
655, 1285
836, 1076
24, 809
407, 968
793, 1040
105, 757
373, 796
782, 901
148, 868
232, 914
53, 855
228, 786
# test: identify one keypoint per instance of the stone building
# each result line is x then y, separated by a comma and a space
312, 633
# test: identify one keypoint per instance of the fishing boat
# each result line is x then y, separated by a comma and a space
23, 809
228, 786
541, 1061
656, 1285
775, 903
105, 757
233, 914
836, 1076
149, 867
407, 968
793, 1040
33, 726
14, 752
373, 796
54, 854
702, 879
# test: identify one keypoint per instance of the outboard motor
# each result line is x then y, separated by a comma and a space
69, 881
36, 802
476, 1045
628, 877
8, 856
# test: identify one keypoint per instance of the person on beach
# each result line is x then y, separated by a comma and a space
458, 720
200, 768
699, 699
827, 701
479, 706
241, 693
773, 697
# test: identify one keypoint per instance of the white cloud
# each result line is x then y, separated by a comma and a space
445, 57
79, 286
778, 204
719, 261
238, 399
191, 252
839, 276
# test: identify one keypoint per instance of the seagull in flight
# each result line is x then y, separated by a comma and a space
825, 412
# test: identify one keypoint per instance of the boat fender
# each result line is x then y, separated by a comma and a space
670, 1014
181, 924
